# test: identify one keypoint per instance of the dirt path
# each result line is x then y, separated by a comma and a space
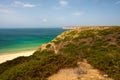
84, 72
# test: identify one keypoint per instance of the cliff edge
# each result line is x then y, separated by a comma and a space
87, 53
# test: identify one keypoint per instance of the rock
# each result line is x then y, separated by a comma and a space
105, 75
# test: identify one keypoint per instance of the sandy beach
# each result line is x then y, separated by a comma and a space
10, 56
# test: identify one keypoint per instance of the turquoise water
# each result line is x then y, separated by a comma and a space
15, 40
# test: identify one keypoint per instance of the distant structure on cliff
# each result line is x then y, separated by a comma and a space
68, 27
86, 27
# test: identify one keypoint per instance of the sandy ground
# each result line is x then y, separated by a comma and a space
10, 56
84, 71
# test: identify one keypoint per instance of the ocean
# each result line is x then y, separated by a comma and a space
15, 40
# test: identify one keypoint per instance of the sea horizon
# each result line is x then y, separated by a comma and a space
25, 39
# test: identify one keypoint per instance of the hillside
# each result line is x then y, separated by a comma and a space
96, 47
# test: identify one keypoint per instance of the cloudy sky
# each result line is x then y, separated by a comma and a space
57, 13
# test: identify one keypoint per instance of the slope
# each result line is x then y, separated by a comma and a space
100, 46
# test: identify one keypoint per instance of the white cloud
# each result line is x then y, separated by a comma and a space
63, 2
77, 13
22, 4
28, 5
6, 11
18, 2
118, 2
44, 20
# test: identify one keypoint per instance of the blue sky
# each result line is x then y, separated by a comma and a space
58, 13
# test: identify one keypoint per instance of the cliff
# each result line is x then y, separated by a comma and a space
87, 53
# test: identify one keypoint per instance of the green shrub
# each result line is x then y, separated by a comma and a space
48, 45
42, 65
7, 65
86, 34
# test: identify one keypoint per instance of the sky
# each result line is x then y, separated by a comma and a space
58, 13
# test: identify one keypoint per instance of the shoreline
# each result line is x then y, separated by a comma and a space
12, 55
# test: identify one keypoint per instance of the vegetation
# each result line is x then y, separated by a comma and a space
57, 41
48, 45
42, 65
101, 48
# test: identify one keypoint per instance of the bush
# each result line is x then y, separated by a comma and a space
42, 65
48, 45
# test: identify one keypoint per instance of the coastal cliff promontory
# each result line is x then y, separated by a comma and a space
82, 53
